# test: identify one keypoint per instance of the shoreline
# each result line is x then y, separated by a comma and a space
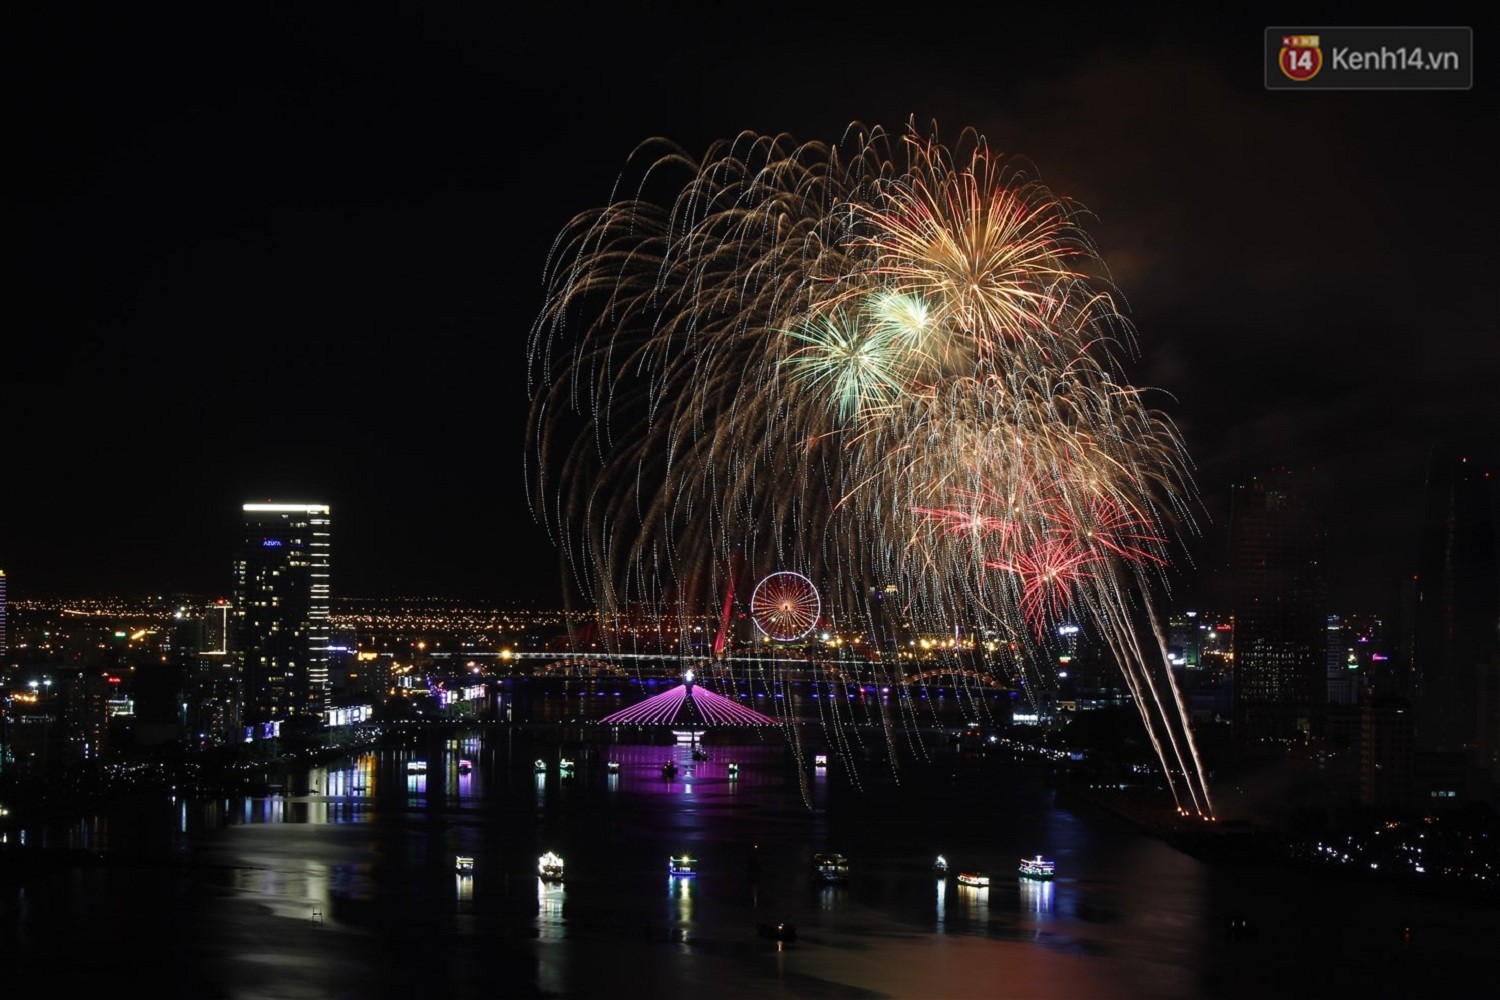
1241, 843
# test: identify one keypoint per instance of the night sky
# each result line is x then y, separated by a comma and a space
296, 256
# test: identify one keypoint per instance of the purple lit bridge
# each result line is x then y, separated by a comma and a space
688, 706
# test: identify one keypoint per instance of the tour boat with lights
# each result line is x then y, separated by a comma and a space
682, 865
416, 767
614, 766
463, 864
940, 866
978, 880
465, 766
831, 867
549, 867
540, 767
1036, 868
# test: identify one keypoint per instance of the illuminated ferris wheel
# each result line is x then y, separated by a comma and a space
785, 606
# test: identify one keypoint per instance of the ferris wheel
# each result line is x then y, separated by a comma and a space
785, 606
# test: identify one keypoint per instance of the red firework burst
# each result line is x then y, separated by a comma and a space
1049, 571
1106, 522
970, 520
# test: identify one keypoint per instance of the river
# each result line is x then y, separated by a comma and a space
345, 887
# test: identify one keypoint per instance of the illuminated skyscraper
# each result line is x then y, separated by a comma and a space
1277, 572
281, 605
3, 646
218, 628
1457, 604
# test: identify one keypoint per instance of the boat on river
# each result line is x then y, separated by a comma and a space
830, 867
1036, 868
549, 867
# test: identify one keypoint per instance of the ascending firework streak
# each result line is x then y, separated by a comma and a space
881, 360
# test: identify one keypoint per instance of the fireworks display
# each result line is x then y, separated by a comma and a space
892, 365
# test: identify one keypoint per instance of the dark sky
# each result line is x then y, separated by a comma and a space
295, 255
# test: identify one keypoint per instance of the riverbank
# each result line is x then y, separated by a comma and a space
1462, 863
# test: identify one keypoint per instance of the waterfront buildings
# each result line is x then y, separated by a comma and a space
1277, 573
281, 610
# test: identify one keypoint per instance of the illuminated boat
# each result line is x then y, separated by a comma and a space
940, 866
416, 767
978, 880
565, 766
614, 766
465, 766
540, 767
1036, 868
831, 867
779, 931
734, 770
682, 865
463, 864
549, 867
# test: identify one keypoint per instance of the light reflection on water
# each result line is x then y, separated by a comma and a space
549, 910
1128, 915
1037, 896
681, 892
974, 903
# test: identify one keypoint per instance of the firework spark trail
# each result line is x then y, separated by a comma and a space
1154, 713
881, 360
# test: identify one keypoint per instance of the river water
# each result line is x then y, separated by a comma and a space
345, 887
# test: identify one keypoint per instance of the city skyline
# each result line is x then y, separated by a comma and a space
285, 265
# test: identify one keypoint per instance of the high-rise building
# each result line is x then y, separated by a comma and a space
1457, 619
281, 605
218, 627
1277, 577
1343, 663
1386, 758
3, 647
205, 709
